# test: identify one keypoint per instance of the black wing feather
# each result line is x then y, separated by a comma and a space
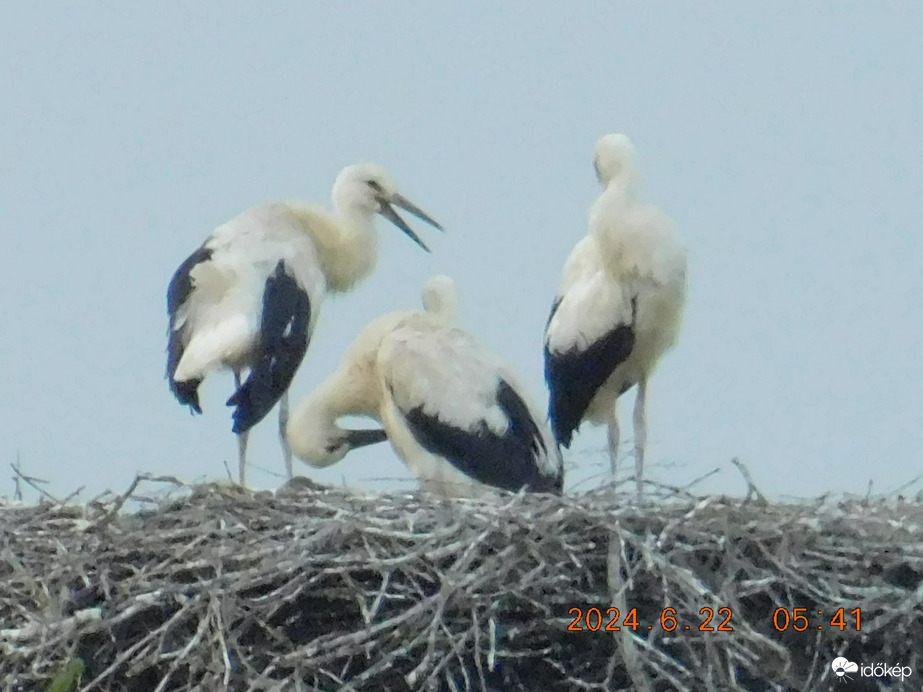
576, 375
283, 343
503, 461
178, 292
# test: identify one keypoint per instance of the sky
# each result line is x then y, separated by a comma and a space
783, 138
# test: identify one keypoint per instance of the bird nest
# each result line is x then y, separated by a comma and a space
217, 588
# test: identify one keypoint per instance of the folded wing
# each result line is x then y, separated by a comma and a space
461, 403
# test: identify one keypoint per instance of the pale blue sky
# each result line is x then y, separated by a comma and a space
785, 139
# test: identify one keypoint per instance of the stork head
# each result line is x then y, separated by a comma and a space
368, 187
440, 297
614, 159
317, 441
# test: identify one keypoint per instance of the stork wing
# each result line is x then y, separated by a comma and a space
283, 341
178, 292
589, 333
247, 298
459, 403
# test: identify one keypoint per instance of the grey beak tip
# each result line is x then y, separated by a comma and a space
389, 213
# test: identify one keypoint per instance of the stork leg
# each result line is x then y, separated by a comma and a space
242, 457
283, 423
640, 419
241, 444
614, 442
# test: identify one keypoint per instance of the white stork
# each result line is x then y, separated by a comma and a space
618, 308
250, 296
452, 410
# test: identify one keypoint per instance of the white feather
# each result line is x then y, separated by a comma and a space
222, 315
631, 253
408, 360
222, 289
443, 369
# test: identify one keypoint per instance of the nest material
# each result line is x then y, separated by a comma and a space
217, 588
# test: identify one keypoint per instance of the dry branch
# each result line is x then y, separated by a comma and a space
216, 588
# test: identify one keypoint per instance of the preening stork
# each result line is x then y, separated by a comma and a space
452, 410
618, 308
250, 296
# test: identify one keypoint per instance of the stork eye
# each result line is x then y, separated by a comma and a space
374, 184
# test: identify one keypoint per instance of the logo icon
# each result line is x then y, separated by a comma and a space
841, 667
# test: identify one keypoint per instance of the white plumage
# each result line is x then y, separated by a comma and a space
223, 312
452, 410
618, 308
250, 296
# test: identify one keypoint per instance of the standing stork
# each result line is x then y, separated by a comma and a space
618, 308
250, 296
452, 410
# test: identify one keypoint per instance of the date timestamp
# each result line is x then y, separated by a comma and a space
797, 619
594, 619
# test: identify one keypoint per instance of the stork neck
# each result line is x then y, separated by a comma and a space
326, 404
352, 257
312, 431
607, 212
623, 186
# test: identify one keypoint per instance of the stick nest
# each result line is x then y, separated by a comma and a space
217, 588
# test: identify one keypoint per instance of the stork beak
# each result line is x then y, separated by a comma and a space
388, 211
407, 205
364, 438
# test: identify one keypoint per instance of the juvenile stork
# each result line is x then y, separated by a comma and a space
452, 410
250, 296
618, 308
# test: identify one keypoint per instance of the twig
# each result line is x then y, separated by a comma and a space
617, 561
34, 483
17, 485
752, 490
906, 485
116, 505
320, 588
